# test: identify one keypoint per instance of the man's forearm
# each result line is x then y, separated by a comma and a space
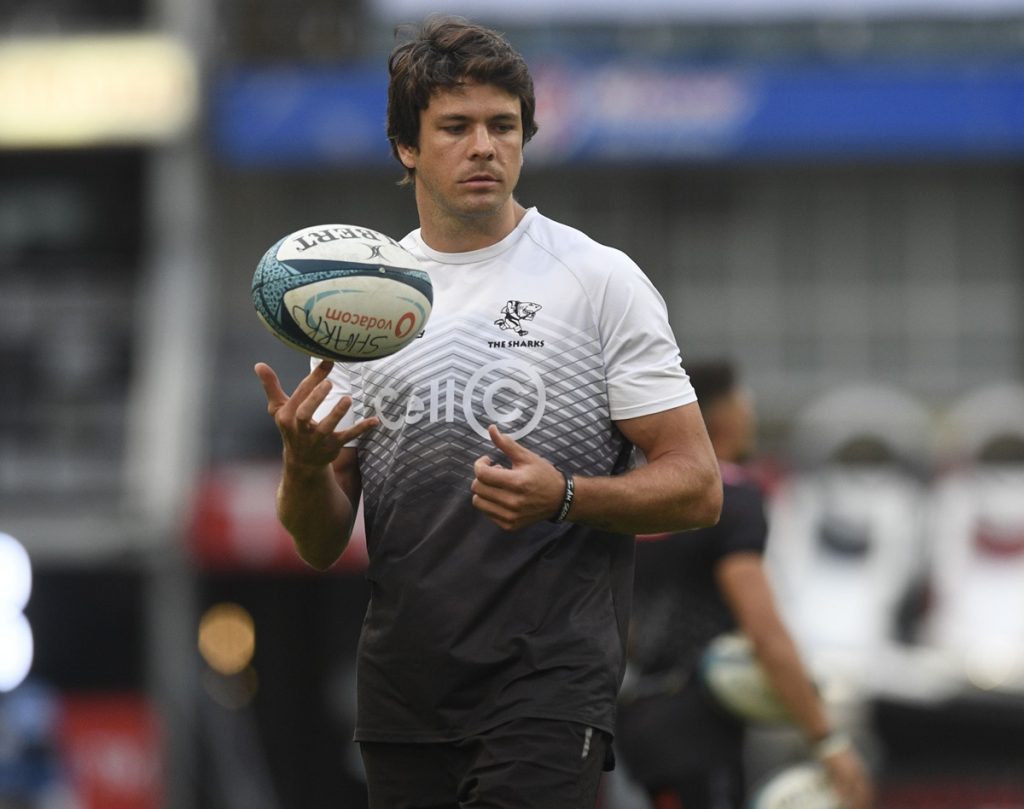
317, 513
669, 495
785, 670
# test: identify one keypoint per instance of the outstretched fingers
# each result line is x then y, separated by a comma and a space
329, 423
313, 380
309, 403
282, 406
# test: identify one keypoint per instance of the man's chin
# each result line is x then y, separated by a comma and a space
482, 209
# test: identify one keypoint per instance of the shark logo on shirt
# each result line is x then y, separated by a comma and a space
513, 315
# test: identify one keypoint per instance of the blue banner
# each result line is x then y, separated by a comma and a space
655, 112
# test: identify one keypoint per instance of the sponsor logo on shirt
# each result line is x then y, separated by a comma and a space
506, 392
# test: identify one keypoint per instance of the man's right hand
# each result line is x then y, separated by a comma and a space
309, 443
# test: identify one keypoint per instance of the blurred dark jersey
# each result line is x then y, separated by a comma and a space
677, 607
671, 734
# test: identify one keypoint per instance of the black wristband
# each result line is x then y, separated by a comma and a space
570, 491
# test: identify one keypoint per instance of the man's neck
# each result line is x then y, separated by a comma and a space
449, 234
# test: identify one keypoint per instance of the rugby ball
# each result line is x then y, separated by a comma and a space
799, 786
342, 292
735, 678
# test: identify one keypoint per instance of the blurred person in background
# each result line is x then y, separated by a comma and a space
500, 559
685, 750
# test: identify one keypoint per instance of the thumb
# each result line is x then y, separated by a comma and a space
513, 450
271, 386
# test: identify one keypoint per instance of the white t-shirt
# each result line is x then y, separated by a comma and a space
553, 337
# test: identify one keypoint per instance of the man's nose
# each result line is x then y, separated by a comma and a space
482, 146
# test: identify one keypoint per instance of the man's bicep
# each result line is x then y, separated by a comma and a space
680, 473
680, 429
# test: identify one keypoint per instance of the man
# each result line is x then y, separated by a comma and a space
685, 750
493, 456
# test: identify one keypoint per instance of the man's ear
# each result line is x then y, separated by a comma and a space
407, 154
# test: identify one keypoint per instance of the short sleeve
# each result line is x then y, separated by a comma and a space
742, 527
643, 363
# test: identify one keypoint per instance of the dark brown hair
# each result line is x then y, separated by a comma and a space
442, 54
712, 380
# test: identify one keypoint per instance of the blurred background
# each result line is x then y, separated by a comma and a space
828, 192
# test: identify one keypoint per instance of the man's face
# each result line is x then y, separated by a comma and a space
469, 154
732, 424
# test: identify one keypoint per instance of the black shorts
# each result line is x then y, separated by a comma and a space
686, 738
524, 764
